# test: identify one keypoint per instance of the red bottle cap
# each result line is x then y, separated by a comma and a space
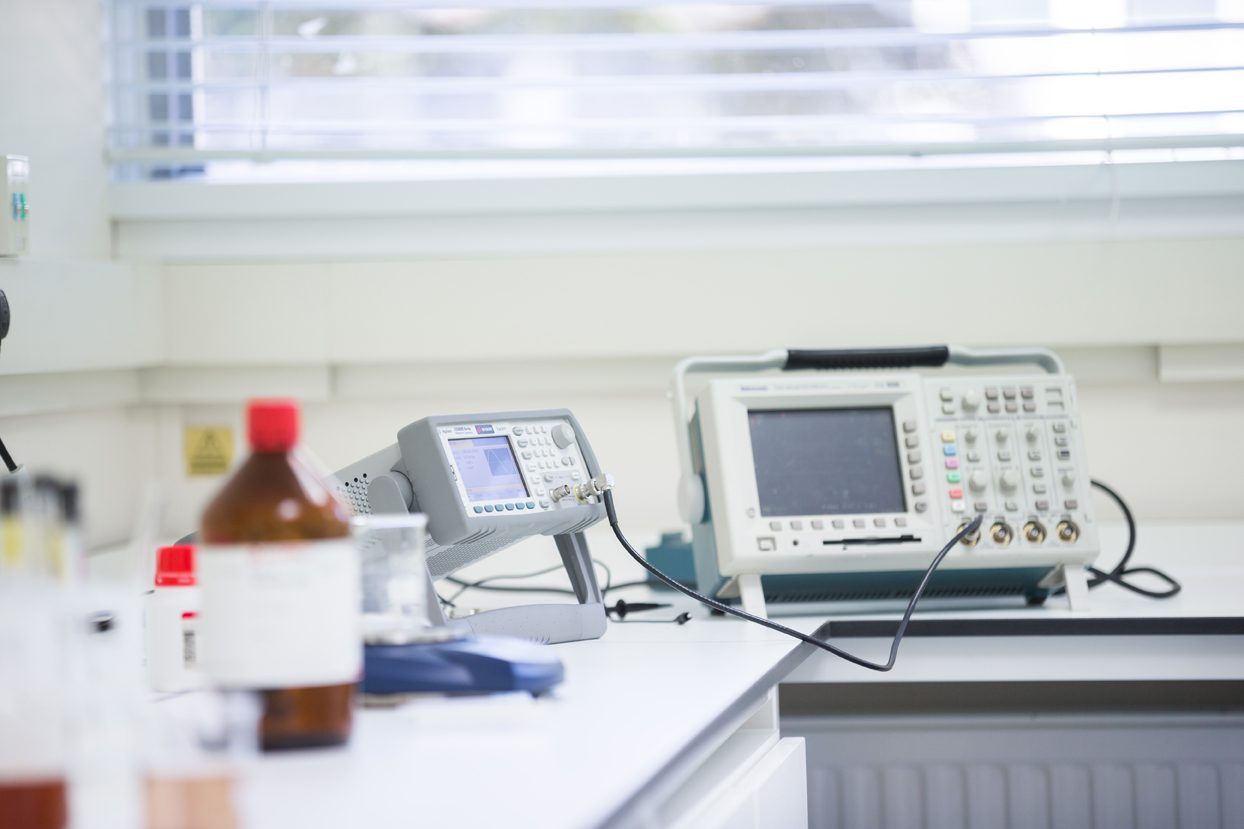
272, 425
175, 566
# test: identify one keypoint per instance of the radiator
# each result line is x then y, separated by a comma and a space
1024, 772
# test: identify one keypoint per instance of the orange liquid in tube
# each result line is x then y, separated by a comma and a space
278, 576
34, 804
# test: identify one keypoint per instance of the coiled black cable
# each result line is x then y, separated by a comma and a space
1117, 575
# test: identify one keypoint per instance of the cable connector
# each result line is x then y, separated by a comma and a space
586, 492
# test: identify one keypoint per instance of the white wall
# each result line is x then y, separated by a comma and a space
376, 319
52, 110
373, 345
82, 325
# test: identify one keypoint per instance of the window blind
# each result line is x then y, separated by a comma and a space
198, 85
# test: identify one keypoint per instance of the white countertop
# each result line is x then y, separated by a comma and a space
631, 703
645, 695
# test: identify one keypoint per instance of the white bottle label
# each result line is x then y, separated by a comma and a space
279, 615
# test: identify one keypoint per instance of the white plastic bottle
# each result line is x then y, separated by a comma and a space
172, 617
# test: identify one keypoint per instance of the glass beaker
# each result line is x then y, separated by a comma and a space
395, 579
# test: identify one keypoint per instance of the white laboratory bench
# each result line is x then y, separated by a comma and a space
665, 725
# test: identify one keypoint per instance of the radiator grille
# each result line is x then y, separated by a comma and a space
1036, 771
1041, 796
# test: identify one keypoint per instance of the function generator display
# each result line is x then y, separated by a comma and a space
488, 468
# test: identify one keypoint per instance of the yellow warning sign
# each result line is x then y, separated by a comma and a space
208, 449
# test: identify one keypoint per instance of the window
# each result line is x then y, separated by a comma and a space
314, 89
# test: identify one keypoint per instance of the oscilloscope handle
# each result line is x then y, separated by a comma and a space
933, 356
928, 356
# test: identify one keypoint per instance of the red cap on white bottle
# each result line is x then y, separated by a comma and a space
175, 566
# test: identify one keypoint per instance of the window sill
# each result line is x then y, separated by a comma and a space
777, 185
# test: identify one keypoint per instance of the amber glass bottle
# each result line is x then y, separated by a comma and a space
278, 576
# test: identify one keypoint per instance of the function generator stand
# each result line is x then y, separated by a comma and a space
547, 623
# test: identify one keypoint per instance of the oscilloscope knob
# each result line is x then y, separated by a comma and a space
563, 435
1009, 480
971, 400
978, 480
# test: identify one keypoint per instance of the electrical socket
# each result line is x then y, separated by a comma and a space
15, 205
